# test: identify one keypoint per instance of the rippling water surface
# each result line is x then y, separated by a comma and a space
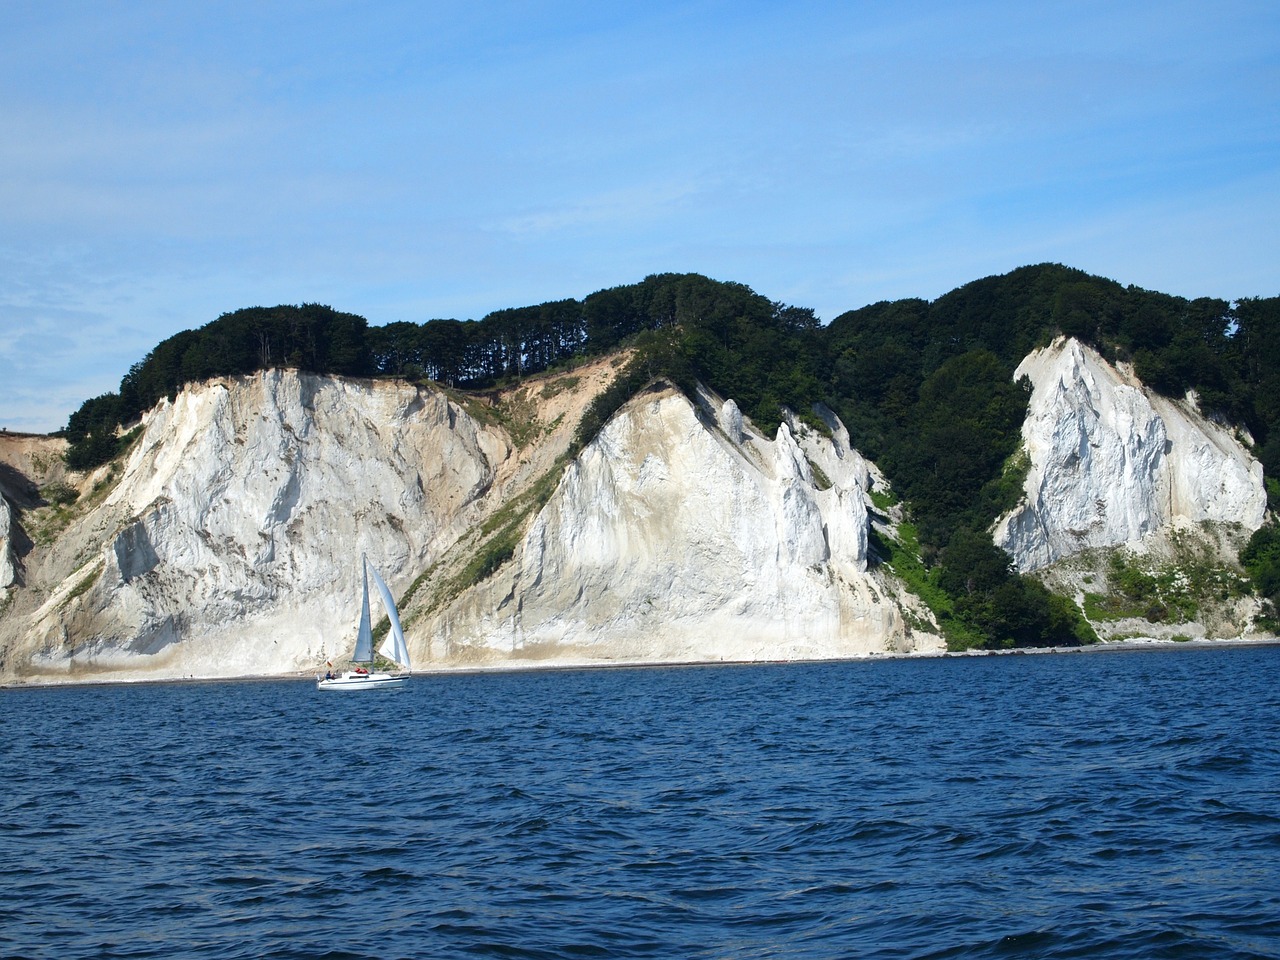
1099, 805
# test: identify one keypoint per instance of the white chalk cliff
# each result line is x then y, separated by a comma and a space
678, 537
1113, 463
229, 543
8, 573
227, 546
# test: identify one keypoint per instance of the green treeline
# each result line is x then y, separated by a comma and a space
926, 388
309, 337
728, 336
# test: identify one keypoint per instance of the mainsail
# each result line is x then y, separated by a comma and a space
364, 638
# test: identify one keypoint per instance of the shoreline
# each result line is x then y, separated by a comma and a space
1138, 645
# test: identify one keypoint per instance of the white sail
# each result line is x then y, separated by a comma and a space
364, 638
394, 647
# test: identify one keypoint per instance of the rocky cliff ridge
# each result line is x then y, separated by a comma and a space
228, 541
681, 534
1113, 463
1115, 468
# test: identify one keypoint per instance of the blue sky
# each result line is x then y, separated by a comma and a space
164, 163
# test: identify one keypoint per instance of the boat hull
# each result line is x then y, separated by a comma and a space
354, 683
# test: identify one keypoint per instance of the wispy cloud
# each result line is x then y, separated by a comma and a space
623, 208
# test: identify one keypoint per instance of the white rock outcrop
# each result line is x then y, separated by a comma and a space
229, 543
8, 570
1113, 463
680, 535
27, 463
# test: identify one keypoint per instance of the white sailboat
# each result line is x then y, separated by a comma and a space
393, 648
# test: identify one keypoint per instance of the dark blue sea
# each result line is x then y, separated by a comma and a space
1100, 805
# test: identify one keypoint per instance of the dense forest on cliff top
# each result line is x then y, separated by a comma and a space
926, 388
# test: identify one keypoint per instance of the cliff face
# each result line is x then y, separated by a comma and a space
228, 542
8, 572
27, 463
679, 534
1113, 463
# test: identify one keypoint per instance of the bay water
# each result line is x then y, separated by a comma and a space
1101, 805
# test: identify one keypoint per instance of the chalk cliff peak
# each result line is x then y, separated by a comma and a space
681, 534
1114, 463
227, 544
